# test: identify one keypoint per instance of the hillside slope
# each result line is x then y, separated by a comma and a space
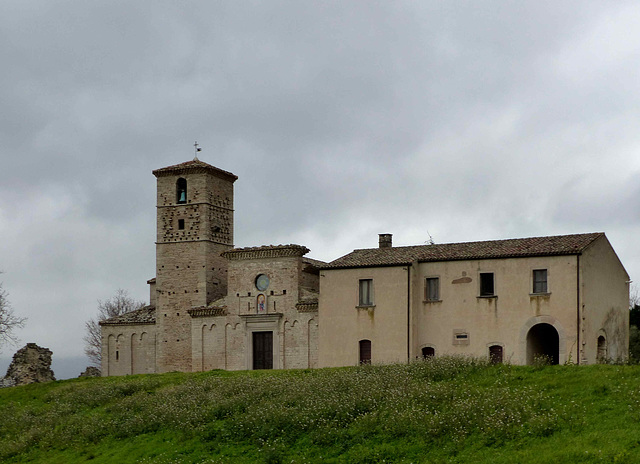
436, 411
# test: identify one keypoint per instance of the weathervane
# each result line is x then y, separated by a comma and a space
197, 149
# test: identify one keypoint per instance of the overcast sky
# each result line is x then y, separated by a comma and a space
463, 120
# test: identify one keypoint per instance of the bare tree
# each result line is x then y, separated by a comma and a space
118, 304
8, 321
634, 296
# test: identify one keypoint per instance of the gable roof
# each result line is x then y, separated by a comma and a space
144, 315
510, 248
194, 166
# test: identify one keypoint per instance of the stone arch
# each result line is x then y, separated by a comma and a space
291, 345
111, 349
133, 352
209, 347
312, 343
559, 354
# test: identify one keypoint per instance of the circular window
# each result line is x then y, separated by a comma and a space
262, 282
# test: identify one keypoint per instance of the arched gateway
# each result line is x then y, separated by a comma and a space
542, 336
543, 341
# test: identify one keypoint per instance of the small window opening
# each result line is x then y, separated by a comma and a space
117, 355
487, 284
181, 191
284, 292
462, 336
181, 224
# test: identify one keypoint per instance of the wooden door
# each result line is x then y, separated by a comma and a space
263, 350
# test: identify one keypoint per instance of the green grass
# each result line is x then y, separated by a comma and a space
446, 410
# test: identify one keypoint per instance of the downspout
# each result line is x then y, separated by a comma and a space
578, 308
408, 313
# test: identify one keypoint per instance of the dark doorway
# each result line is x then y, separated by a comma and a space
428, 352
601, 357
365, 351
543, 342
263, 350
495, 354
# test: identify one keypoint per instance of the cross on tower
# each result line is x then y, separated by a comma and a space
197, 149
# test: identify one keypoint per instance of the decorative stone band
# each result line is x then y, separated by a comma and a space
307, 307
132, 322
208, 311
270, 251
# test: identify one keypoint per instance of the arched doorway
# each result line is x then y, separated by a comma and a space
428, 352
601, 357
495, 354
543, 340
365, 351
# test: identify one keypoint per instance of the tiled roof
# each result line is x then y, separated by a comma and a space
266, 251
193, 165
314, 262
511, 248
145, 315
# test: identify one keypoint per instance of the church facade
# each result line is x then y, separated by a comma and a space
213, 306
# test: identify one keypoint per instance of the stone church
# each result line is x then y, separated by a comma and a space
213, 306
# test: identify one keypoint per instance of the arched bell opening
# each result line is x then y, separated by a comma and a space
181, 191
543, 341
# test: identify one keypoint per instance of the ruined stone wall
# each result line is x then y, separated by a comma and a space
30, 364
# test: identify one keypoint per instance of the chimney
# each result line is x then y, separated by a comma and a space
384, 240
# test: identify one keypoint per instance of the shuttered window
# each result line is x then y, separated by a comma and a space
432, 289
540, 281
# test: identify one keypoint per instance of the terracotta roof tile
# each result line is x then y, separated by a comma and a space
510, 248
314, 262
145, 315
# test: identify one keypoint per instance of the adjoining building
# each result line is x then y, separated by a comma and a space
213, 306
564, 298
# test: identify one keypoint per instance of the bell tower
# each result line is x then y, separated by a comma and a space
194, 226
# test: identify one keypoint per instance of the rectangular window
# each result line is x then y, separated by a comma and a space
432, 289
486, 284
366, 292
540, 281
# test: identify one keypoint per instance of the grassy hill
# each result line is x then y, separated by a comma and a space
446, 410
